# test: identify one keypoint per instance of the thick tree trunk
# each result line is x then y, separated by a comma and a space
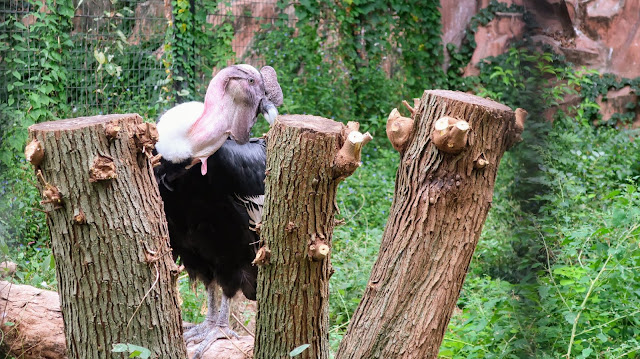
444, 188
116, 277
32, 327
307, 156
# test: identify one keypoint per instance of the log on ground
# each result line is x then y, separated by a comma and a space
33, 329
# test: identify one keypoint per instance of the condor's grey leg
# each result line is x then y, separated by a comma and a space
220, 331
198, 332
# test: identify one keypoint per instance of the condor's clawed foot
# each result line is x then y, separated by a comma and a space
218, 332
197, 333
214, 327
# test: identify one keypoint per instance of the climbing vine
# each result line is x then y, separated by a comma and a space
42, 44
354, 59
600, 85
39, 93
196, 47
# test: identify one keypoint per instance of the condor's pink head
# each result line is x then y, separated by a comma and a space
235, 97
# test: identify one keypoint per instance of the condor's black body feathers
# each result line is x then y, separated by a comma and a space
208, 216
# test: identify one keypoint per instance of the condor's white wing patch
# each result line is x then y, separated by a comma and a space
173, 126
253, 205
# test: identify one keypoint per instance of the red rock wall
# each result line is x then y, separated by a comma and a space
600, 34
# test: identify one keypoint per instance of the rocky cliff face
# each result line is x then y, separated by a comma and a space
600, 34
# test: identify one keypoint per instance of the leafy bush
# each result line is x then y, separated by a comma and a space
354, 60
364, 200
558, 279
555, 272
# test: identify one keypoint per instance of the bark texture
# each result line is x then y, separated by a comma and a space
440, 205
36, 330
298, 221
116, 277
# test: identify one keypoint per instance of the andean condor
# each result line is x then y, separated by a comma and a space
211, 179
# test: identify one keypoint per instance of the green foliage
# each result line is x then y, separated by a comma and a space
309, 84
298, 350
33, 96
600, 85
354, 59
135, 351
364, 200
556, 279
40, 92
197, 47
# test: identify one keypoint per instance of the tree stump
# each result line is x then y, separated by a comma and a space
307, 156
116, 277
444, 189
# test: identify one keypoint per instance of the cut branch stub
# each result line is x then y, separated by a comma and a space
79, 217
146, 136
262, 256
480, 162
515, 135
52, 195
450, 134
34, 152
318, 248
50, 192
348, 157
399, 129
413, 109
111, 130
103, 169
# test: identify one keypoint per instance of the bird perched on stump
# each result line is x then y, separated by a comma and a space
211, 179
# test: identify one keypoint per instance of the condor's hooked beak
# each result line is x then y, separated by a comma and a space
269, 111
273, 91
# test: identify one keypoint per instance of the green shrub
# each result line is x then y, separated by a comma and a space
570, 265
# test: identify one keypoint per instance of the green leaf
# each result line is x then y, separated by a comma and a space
100, 57
46, 263
586, 352
612, 194
120, 348
297, 351
570, 317
140, 352
122, 37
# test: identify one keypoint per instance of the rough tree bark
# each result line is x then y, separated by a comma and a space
444, 188
116, 277
307, 156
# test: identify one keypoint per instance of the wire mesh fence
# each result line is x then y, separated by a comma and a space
118, 59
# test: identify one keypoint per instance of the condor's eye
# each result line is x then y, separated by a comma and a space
251, 80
